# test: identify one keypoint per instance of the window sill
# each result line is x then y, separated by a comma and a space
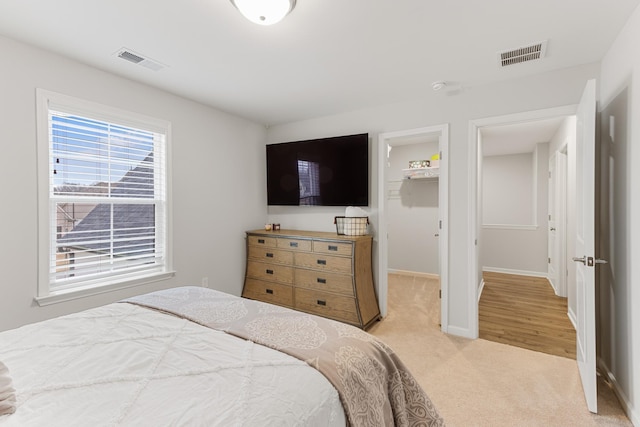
77, 293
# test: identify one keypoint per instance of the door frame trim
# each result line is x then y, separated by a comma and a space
560, 157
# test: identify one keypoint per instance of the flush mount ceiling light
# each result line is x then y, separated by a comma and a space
264, 12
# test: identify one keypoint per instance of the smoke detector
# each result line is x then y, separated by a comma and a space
136, 58
532, 52
438, 85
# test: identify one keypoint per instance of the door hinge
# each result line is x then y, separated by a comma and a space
440, 293
440, 225
549, 260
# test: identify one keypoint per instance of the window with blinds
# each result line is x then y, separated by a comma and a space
106, 197
309, 182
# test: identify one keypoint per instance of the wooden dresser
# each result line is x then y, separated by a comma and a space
317, 272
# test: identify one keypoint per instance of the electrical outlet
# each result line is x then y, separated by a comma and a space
205, 282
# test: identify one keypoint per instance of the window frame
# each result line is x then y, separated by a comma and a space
46, 101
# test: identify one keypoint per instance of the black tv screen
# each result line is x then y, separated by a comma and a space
319, 172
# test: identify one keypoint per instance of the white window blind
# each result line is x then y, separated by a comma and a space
107, 199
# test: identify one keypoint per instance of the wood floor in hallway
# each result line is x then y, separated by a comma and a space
524, 311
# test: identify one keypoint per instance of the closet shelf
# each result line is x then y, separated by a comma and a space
421, 173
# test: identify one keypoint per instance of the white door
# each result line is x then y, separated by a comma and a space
585, 244
552, 251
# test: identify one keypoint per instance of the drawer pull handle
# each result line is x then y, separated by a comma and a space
322, 262
260, 240
321, 302
270, 291
269, 255
293, 244
333, 248
269, 271
323, 281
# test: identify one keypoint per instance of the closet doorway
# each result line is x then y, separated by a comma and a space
422, 191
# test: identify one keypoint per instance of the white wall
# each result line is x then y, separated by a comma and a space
218, 169
412, 212
515, 240
619, 298
542, 91
508, 189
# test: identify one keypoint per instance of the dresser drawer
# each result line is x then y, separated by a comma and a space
262, 241
268, 254
294, 244
270, 272
334, 248
323, 262
268, 291
323, 281
337, 307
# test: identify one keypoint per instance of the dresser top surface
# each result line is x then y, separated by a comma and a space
303, 234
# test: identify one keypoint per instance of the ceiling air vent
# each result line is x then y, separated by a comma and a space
138, 59
131, 57
523, 54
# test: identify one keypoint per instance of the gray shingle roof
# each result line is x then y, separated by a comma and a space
129, 220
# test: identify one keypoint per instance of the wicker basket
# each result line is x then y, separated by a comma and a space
351, 226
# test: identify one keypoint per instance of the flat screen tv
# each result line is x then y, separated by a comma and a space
319, 172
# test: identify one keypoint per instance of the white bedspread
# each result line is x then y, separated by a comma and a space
124, 365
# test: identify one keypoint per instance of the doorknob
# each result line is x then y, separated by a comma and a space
590, 261
552, 229
437, 235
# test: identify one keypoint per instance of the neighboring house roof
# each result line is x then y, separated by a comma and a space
95, 226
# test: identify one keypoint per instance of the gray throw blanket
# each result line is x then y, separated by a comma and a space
375, 387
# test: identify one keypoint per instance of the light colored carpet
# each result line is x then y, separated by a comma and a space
483, 383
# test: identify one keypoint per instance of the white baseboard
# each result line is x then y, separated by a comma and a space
460, 332
516, 272
627, 406
413, 273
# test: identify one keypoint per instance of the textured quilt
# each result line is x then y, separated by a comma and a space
126, 365
375, 387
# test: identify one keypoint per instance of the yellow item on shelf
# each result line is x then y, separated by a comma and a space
435, 156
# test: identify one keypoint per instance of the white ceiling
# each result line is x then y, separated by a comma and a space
518, 137
326, 57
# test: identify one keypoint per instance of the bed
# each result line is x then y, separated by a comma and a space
192, 356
